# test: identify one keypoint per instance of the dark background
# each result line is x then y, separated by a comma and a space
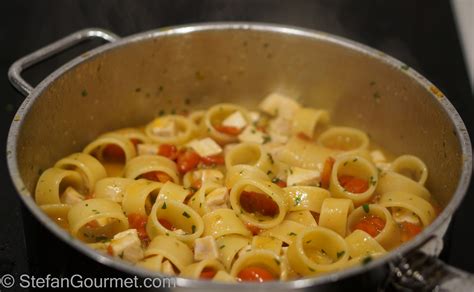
421, 33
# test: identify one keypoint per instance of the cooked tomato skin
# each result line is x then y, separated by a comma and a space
187, 160
207, 273
254, 274
254, 229
158, 176
233, 131
326, 173
166, 224
168, 150
138, 222
213, 160
254, 202
409, 230
113, 152
371, 224
353, 184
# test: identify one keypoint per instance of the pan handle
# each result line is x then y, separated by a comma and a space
419, 271
14, 73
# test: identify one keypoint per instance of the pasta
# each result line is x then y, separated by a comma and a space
232, 195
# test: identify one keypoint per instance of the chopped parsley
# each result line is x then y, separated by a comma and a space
193, 228
376, 96
311, 269
164, 206
185, 214
298, 199
271, 158
372, 181
367, 260
292, 234
323, 252
269, 172
84, 92
161, 113
95, 211
276, 180
404, 67
366, 208
102, 238
187, 101
266, 139
340, 254
222, 246
308, 241
354, 160
277, 261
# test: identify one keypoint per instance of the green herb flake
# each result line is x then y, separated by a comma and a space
161, 113
138, 89
95, 211
372, 180
308, 241
187, 101
276, 180
345, 163
311, 269
271, 158
161, 88
163, 206
292, 234
185, 214
102, 238
277, 261
340, 253
366, 208
84, 92
367, 260
404, 67
269, 172
193, 228
298, 199
266, 139
222, 246
372, 83
323, 251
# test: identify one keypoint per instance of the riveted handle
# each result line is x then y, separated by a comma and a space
14, 73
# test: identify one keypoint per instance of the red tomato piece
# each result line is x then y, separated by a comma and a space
138, 222
208, 273
213, 159
409, 230
254, 202
326, 173
255, 274
233, 131
353, 184
187, 160
254, 229
372, 224
114, 153
166, 224
168, 150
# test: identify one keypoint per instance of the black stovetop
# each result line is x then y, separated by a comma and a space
420, 33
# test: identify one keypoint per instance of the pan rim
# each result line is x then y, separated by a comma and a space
426, 235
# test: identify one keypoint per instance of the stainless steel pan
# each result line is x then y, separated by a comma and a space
130, 80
